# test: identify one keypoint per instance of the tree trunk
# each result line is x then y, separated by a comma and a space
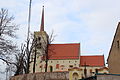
35, 56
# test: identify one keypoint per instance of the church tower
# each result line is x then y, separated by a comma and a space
41, 36
40, 46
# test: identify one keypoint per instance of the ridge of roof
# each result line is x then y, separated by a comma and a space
64, 43
113, 39
90, 55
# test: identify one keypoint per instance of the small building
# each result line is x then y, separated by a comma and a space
89, 66
114, 53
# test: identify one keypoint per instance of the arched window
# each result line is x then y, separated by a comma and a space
75, 76
90, 70
51, 69
96, 71
57, 66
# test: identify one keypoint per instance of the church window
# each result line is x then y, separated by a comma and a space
90, 70
39, 38
40, 66
57, 66
70, 66
39, 45
118, 44
51, 69
75, 61
57, 61
69, 61
96, 70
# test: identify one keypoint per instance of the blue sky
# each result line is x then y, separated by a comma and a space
89, 22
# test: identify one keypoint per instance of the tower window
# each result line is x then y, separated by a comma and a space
39, 38
118, 44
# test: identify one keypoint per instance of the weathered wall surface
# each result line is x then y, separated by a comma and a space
43, 76
108, 77
104, 77
114, 54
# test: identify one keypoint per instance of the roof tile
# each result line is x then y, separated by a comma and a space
64, 51
92, 60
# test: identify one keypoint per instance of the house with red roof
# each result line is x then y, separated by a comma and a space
63, 57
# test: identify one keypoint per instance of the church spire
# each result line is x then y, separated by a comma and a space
42, 21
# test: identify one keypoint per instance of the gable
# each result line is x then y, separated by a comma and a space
115, 43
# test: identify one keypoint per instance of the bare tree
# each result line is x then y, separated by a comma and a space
26, 52
19, 62
50, 40
7, 32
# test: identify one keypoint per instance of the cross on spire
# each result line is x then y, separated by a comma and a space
42, 21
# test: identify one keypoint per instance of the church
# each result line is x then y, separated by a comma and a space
63, 57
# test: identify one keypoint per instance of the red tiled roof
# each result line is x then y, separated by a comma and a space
64, 51
92, 60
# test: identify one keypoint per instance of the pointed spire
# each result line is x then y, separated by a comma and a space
42, 21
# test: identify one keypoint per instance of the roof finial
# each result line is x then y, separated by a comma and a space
42, 21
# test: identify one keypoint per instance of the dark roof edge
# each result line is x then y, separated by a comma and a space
92, 55
113, 40
64, 43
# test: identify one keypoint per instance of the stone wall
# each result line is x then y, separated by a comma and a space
43, 76
108, 77
104, 77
